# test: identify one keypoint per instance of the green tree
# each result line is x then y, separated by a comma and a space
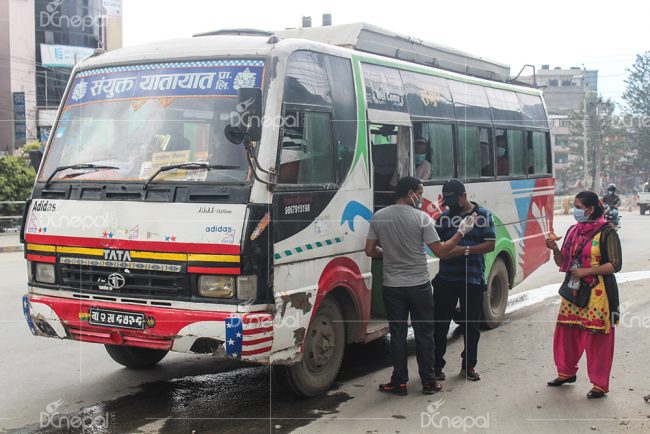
16, 181
637, 119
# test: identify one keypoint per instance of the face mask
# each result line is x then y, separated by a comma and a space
579, 215
419, 158
417, 202
455, 208
610, 191
501, 152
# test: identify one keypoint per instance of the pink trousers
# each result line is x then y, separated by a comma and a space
569, 344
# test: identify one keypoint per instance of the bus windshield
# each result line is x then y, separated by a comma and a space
140, 118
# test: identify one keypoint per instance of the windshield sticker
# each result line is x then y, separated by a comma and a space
165, 82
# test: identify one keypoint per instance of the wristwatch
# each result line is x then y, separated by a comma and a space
466, 250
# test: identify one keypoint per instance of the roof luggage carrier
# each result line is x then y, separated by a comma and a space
375, 40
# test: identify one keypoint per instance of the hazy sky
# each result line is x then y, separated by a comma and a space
599, 35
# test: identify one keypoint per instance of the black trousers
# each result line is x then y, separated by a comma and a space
446, 295
399, 303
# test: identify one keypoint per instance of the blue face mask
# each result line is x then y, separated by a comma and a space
419, 158
501, 152
579, 215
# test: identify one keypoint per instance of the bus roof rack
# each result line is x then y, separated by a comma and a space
235, 32
376, 40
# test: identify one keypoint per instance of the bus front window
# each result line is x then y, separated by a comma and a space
141, 118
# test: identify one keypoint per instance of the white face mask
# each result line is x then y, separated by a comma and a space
417, 202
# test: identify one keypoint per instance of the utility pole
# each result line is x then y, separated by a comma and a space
584, 127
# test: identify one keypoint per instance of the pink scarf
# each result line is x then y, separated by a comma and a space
577, 235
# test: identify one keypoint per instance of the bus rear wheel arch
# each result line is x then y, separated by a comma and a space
495, 298
322, 356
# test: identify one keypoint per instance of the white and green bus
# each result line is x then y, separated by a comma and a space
213, 194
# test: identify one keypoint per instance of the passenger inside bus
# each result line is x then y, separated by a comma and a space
422, 160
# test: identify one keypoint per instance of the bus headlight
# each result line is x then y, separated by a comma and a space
216, 286
246, 287
44, 273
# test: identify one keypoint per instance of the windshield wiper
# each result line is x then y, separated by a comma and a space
77, 167
195, 165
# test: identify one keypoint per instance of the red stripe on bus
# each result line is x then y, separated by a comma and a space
155, 246
253, 352
207, 270
257, 341
41, 258
256, 331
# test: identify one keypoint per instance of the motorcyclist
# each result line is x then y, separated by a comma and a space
612, 201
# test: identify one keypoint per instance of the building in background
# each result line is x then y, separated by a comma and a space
565, 92
39, 45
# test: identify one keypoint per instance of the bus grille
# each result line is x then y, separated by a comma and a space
138, 283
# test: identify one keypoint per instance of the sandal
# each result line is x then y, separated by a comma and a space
470, 374
429, 388
595, 394
560, 381
440, 376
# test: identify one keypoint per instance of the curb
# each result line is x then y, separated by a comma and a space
9, 249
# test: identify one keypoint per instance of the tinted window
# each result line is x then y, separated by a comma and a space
537, 153
344, 117
532, 110
439, 151
516, 153
307, 155
504, 106
485, 151
468, 153
306, 80
427, 95
470, 102
384, 90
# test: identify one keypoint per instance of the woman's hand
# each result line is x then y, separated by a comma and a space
579, 273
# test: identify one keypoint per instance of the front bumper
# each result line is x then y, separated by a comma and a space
246, 336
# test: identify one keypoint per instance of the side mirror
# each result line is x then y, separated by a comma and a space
35, 158
249, 116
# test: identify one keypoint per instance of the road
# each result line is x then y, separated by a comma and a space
188, 393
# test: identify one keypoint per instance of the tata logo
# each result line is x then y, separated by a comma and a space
115, 281
117, 255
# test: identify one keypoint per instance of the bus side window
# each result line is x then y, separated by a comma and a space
485, 151
440, 152
516, 153
537, 154
502, 153
307, 155
468, 153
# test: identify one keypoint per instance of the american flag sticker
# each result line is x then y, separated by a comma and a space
250, 336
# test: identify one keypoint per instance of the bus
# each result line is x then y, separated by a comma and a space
212, 195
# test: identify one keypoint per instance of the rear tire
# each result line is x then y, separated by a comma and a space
495, 298
134, 357
322, 353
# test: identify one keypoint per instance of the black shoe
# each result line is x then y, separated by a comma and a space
470, 374
440, 376
397, 389
431, 387
559, 381
595, 394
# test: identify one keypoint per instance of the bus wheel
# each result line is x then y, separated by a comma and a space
496, 296
134, 357
322, 353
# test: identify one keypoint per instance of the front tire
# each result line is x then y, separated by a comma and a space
322, 353
134, 357
495, 299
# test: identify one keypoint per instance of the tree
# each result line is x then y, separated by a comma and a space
637, 119
16, 182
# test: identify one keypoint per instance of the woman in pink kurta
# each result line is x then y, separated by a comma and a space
591, 252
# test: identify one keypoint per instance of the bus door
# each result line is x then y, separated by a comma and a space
391, 147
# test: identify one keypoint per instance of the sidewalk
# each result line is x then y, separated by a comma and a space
9, 242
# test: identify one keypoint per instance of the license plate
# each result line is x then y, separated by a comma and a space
116, 318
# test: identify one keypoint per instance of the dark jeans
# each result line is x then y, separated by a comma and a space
418, 301
446, 295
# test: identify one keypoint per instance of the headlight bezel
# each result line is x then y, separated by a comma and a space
44, 273
216, 286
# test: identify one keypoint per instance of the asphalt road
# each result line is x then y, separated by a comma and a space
188, 393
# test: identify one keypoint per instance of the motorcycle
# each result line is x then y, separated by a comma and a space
613, 217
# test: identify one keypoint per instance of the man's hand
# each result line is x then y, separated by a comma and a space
467, 224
